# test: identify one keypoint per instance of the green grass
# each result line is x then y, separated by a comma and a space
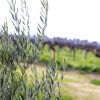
65, 58
74, 85
67, 98
95, 82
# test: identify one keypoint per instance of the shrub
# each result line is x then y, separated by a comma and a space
15, 53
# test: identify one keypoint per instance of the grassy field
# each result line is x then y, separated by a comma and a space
65, 59
75, 86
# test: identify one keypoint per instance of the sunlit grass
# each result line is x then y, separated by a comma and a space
95, 82
89, 65
74, 86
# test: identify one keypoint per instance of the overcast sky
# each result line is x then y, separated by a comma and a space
66, 18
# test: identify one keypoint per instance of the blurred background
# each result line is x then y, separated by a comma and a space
72, 37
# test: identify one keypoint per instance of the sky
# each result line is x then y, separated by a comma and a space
70, 19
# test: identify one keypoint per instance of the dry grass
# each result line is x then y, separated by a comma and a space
75, 85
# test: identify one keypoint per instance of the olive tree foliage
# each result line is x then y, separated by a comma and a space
16, 50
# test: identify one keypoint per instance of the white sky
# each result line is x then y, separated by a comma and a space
66, 18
